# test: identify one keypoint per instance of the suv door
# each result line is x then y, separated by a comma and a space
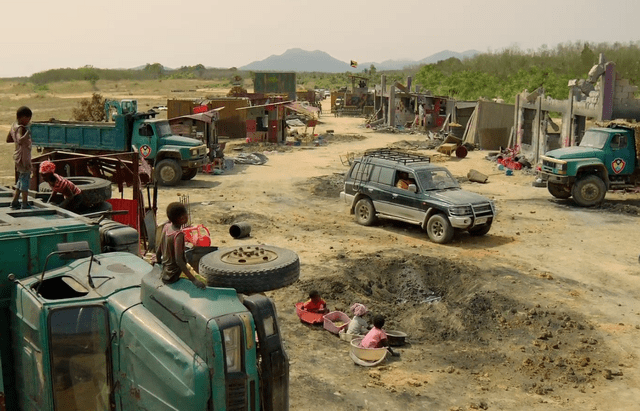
379, 189
407, 204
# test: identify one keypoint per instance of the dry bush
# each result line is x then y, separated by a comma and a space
90, 109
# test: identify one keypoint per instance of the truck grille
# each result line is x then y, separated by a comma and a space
483, 210
237, 395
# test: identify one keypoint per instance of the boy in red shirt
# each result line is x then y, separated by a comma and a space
315, 304
71, 193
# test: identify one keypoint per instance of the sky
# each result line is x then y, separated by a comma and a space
40, 35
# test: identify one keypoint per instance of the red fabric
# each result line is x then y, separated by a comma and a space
47, 167
373, 338
131, 218
315, 306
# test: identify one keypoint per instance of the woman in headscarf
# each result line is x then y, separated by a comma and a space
358, 325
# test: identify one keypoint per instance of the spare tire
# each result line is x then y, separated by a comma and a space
250, 269
95, 190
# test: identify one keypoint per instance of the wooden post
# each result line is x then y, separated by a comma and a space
392, 106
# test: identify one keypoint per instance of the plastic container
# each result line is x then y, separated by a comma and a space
307, 316
332, 320
197, 235
240, 230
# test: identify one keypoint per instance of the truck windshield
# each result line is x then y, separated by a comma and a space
594, 139
164, 129
436, 180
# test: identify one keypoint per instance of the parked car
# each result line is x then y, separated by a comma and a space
407, 187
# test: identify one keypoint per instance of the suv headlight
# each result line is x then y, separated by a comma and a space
460, 210
232, 347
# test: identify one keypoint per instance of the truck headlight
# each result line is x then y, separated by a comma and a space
232, 348
460, 210
562, 167
194, 152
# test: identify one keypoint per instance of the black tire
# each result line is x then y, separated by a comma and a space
250, 269
168, 172
94, 190
589, 191
439, 229
480, 230
364, 212
189, 173
558, 190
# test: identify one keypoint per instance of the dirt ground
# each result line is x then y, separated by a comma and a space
542, 313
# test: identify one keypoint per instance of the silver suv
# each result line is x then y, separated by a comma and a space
407, 187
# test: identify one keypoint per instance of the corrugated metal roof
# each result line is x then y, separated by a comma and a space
207, 116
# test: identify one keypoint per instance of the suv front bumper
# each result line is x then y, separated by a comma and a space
467, 222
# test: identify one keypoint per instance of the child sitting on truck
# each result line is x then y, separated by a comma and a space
60, 185
170, 249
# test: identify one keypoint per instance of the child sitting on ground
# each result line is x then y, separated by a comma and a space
315, 304
170, 251
71, 193
358, 325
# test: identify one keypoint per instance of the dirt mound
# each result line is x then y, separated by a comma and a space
325, 186
471, 316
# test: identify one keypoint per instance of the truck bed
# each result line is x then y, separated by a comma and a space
80, 135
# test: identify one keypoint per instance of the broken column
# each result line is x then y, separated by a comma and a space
392, 106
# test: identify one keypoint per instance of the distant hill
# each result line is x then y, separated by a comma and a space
302, 60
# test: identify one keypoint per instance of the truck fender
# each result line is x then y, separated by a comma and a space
596, 168
168, 153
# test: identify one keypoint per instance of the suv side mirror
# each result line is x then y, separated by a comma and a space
413, 188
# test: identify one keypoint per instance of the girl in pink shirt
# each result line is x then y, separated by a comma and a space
376, 337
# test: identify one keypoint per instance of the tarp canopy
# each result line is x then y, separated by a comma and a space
306, 110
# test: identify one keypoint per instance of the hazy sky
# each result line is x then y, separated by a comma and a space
38, 35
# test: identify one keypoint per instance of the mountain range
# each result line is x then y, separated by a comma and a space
302, 60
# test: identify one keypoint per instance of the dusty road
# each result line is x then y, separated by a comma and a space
542, 313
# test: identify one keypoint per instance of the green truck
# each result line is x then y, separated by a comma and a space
606, 159
86, 330
174, 158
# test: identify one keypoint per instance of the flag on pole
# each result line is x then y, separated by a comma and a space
354, 63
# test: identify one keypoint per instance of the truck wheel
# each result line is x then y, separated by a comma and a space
558, 190
250, 269
94, 190
168, 172
365, 214
589, 191
480, 230
189, 173
439, 229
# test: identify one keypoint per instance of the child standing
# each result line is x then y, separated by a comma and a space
71, 193
21, 136
170, 250
315, 304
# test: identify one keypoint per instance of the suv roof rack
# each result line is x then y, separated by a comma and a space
397, 156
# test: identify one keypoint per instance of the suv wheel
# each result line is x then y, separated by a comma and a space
480, 230
439, 229
364, 212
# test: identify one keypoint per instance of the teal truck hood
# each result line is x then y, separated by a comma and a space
574, 152
181, 141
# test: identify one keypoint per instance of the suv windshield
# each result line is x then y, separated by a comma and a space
436, 179
594, 139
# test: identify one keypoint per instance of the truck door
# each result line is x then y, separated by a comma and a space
145, 140
80, 358
622, 159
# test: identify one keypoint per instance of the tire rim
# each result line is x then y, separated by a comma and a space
363, 212
167, 174
590, 192
249, 256
437, 229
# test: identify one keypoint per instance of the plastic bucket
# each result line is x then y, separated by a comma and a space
240, 230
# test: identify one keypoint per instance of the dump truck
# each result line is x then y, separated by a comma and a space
174, 158
607, 158
89, 330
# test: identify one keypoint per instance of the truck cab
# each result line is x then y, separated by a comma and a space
605, 159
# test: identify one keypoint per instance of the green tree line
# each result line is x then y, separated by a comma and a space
505, 73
